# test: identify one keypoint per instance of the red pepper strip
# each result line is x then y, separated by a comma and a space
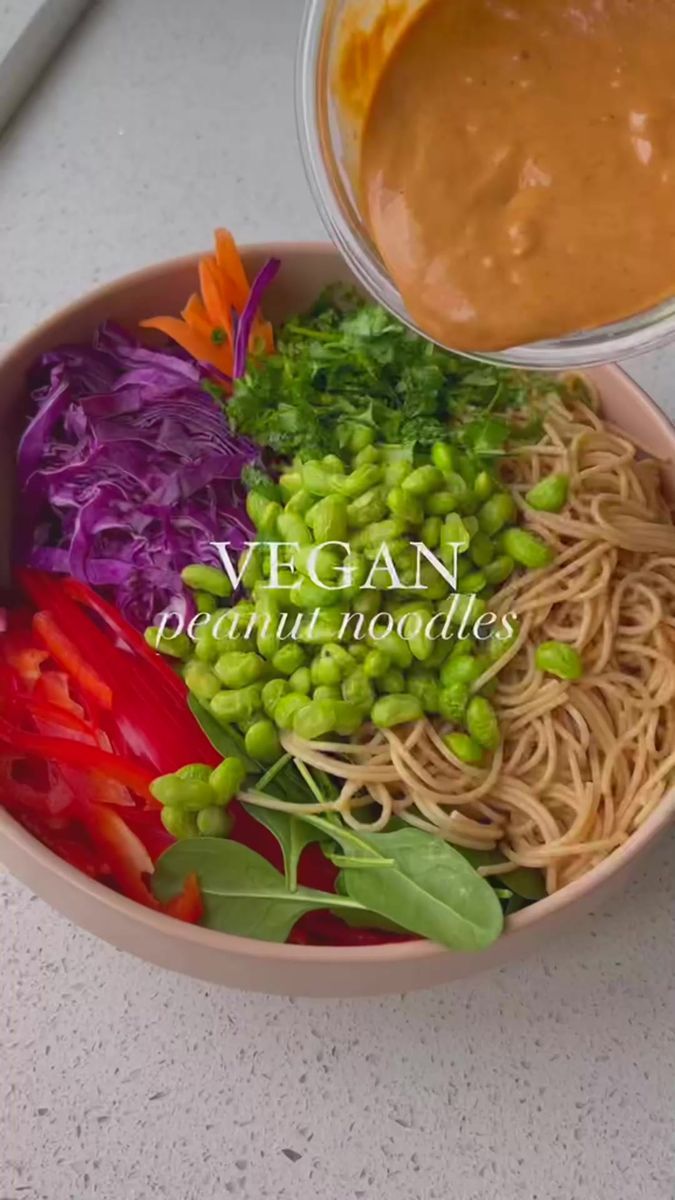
129, 771
189, 905
53, 688
158, 722
66, 845
67, 655
85, 595
26, 663
127, 858
53, 715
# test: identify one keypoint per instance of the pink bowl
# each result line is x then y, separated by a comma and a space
243, 962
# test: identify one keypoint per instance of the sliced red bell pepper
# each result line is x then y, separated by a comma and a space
85, 595
129, 771
53, 687
189, 905
67, 655
128, 860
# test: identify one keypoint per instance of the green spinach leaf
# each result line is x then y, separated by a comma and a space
292, 835
243, 894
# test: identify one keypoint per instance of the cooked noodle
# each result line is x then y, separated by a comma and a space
582, 764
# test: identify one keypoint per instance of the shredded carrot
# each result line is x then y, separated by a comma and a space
231, 266
206, 327
201, 348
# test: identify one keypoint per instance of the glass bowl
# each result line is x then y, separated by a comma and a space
329, 139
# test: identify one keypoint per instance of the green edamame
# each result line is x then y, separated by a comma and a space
550, 494
262, 741
392, 710
464, 748
482, 723
199, 577
214, 822
227, 779
560, 659
526, 548
178, 822
497, 512
240, 705
453, 699
423, 480
238, 669
201, 680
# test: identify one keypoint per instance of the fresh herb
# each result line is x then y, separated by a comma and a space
348, 363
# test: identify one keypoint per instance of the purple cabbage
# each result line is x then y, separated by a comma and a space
127, 471
262, 281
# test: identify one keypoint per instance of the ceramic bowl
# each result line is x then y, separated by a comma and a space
242, 962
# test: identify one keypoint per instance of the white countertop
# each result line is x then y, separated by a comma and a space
549, 1080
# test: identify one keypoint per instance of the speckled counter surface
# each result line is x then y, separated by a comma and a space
550, 1080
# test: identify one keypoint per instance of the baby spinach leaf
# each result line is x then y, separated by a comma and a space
526, 882
243, 894
292, 835
430, 888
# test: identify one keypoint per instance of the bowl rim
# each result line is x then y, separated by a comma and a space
29, 848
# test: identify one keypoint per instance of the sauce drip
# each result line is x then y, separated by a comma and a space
517, 166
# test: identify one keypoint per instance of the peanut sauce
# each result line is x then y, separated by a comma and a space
517, 166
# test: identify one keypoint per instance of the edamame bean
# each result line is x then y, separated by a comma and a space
361, 437
376, 664
453, 699
267, 635
369, 507
264, 513
238, 669
560, 659
292, 528
378, 532
194, 794
358, 690
288, 659
205, 602
323, 561
207, 579
201, 681
464, 748
332, 463
393, 645
464, 668
424, 686
194, 771
272, 693
358, 651
499, 569
395, 473
369, 454
178, 822
214, 822
472, 583
392, 710
439, 504
288, 706
405, 505
317, 480
368, 603
347, 718
167, 790
173, 647
455, 533
392, 682
290, 483
327, 692
319, 629
482, 549
423, 480
482, 723
301, 681
300, 503
497, 512
526, 548
325, 670
484, 485
359, 481
307, 594
431, 532
444, 457
550, 494
314, 719
252, 572
227, 779
329, 519
262, 742
233, 707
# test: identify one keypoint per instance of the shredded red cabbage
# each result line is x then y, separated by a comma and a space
261, 283
127, 472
